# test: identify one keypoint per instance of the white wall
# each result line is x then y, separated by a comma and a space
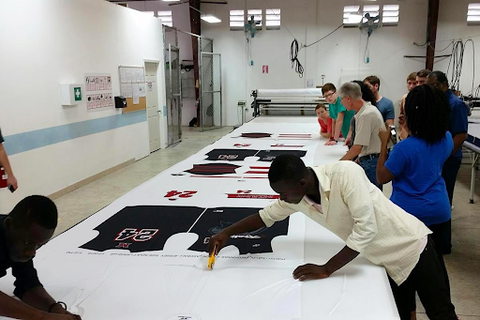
339, 57
45, 43
181, 21
452, 25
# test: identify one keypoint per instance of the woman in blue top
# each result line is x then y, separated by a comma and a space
415, 164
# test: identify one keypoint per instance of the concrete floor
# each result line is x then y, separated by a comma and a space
463, 264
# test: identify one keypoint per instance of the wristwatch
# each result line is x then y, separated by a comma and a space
63, 304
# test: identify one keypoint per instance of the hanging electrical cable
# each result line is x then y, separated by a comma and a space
366, 54
473, 61
323, 38
294, 48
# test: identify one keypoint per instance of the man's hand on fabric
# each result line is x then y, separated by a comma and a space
310, 272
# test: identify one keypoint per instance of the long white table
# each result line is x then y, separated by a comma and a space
473, 144
173, 283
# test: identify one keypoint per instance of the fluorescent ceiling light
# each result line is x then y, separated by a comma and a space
171, 0
210, 18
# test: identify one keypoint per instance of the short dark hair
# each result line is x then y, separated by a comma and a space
423, 73
367, 94
328, 87
427, 113
35, 209
320, 105
373, 80
287, 167
440, 76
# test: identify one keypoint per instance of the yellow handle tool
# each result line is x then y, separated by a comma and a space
211, 259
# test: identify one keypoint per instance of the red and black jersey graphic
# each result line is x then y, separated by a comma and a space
147, 228
270, 155
213, 169
256, 135
143, 228
281, 145
231, 154
247, 194
173, 195
242, 145
215, 220
258, 170
295, 136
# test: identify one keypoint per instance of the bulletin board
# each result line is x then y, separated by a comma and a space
132, 87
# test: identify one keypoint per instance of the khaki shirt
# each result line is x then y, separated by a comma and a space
358, 212
368, 121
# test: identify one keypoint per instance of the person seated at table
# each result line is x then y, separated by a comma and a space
415, 164
324, 121
23, 231
340, 197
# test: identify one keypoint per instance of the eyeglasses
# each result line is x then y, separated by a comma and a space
329, 95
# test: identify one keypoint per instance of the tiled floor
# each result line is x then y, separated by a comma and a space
463, 264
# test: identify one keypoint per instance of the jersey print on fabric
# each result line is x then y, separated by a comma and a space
213, 169
215, 220
256, 135
231, 154
270, 155
143, 228
247, 194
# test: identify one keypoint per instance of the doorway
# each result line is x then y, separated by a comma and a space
151, 69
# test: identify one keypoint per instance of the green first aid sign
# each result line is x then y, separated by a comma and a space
77, 93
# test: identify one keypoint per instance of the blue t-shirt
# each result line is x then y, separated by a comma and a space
458, 118
418, 186
385, 106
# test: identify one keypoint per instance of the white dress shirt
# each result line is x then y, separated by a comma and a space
358, 212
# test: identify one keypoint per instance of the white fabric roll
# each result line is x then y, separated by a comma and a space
289, 92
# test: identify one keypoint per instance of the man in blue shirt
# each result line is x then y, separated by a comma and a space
384, 105
458, 129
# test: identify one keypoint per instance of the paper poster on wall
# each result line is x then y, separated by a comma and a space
136, 93
98, 89
132, 83
126, 90
141, 90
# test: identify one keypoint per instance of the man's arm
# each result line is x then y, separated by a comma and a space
352, 153
338, 125
383, 174
390, 117
312, 271
277, 211
458, 140
8, 169
331, 141
250, 223
13, 308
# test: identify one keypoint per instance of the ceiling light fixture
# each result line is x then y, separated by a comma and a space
210, 18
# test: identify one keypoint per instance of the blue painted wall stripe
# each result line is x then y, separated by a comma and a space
26, 141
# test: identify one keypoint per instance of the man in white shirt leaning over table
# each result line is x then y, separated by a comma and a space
340, 197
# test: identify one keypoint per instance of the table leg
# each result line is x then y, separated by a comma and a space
473, 176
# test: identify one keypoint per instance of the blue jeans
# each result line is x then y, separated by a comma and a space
370, 167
